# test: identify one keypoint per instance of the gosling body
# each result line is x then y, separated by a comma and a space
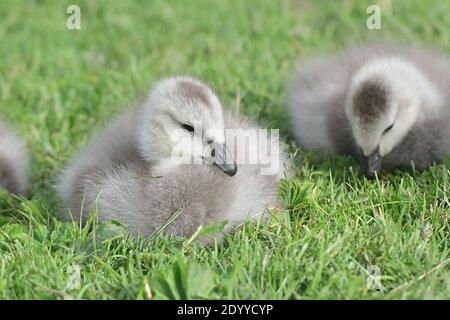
13, 161
386, 104
127, 172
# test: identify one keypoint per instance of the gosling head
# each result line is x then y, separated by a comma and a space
182, 123
382, 106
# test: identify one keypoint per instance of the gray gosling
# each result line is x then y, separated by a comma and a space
129, 172
13, 161
387, 104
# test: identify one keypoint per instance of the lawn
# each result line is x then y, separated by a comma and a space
341, 237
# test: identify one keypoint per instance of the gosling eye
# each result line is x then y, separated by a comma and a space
388, 128
187, 127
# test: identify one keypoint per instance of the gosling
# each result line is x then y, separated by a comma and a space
168, 159
13, 161
387, 104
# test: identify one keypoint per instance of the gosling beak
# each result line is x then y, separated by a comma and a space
222, 158
371, 163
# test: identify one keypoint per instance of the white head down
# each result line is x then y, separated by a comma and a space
383, 104
181, 122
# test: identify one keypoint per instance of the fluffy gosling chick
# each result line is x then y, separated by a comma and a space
139, 169
387, 104
13, 161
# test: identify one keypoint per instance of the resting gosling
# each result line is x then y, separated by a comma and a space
385, 103
128, 173
13, 161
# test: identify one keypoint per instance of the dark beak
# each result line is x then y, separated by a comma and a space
371, 164
222, 159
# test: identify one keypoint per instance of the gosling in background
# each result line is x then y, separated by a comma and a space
13, 161
387, 104
127, 173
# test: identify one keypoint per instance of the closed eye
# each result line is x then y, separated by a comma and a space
388, 128
187, 127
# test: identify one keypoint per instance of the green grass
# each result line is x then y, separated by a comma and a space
58, 86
